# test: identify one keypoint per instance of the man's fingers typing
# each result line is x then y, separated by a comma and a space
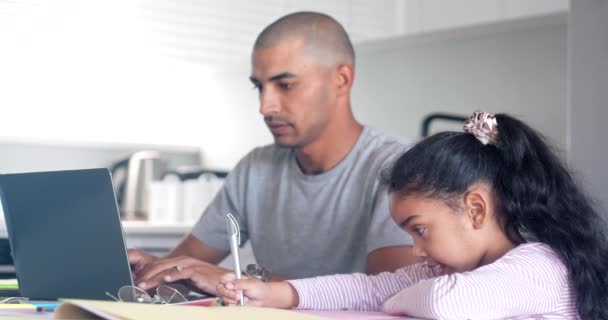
139, 266
153, 269
138, 260
173, 275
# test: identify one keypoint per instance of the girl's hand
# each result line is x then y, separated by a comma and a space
257, 293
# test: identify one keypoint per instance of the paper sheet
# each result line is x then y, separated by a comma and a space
72, 309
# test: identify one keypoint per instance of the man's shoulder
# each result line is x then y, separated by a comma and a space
267, 154
380, 145
377, 138
269, 151
260, 163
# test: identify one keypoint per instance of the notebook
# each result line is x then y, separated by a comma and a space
87, 309
83, 309
65, 234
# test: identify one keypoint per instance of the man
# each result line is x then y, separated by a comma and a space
310, 204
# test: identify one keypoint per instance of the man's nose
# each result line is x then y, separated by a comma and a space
269, 102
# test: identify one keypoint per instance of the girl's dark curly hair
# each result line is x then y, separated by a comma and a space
536, 197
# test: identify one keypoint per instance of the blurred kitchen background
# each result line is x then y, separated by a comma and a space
158, 90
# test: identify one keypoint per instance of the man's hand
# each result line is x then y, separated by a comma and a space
257, 293
138, 260
196, 274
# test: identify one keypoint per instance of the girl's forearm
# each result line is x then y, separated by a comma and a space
283, 296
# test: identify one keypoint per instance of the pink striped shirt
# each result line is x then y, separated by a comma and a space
529, 281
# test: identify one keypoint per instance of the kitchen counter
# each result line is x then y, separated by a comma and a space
140, 228
153, 238
156, 239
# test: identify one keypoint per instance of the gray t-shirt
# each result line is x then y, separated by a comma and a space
308, 225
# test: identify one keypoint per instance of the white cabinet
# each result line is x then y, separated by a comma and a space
433, 15
441, 14
523, 8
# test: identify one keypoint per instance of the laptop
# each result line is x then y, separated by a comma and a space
65, 234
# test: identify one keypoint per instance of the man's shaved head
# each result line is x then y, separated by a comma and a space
324, 38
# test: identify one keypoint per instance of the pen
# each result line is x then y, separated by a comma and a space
235, 240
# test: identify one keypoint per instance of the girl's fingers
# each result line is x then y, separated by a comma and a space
227, 277
237, 301
226, 293
243, 284
230, 302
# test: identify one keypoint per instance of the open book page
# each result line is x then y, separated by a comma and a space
77, 309
110, 310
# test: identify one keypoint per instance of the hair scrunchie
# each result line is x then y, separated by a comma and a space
483, 126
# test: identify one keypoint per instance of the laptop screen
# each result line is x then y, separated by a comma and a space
65, 234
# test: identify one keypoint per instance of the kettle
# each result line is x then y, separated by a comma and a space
132, 177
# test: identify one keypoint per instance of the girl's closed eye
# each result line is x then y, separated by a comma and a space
419, 230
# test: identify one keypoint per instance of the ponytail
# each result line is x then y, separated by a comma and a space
536, 195
539, 197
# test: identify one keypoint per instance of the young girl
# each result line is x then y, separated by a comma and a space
499, 223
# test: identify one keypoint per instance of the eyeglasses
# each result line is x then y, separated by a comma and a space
14, 300
164, 295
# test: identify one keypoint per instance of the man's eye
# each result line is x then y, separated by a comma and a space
285, 86
257, 87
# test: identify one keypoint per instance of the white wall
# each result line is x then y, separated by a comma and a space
157, 73
515, 67
234, 126
588, 100
139, 72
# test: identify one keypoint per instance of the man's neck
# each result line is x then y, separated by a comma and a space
324, 154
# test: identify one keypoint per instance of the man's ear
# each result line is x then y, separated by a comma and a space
344, 76
476, 206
